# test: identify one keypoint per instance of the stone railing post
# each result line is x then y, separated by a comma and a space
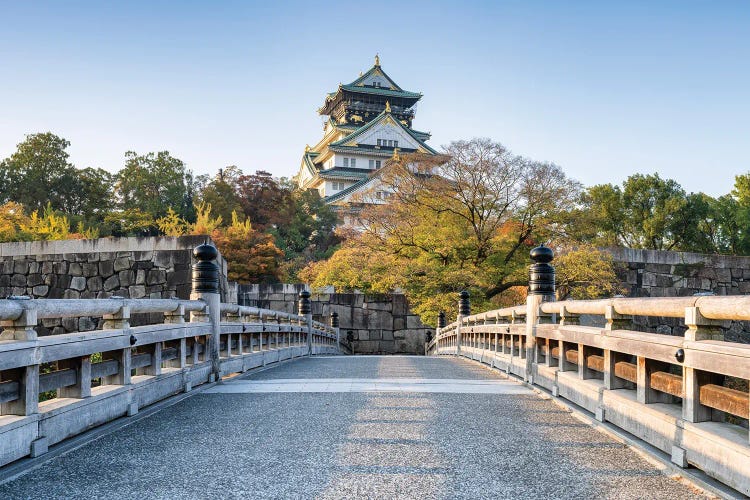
699, 328
440, 325
464, 309
206, 288
304, 308
335, 326
22, 329
541, 289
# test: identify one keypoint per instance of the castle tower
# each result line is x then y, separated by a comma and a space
367, 122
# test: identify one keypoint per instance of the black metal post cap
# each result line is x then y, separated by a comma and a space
205, 271
334, 320
541, 273
464, 306
205, 252
542, 254
441, 319
303, 304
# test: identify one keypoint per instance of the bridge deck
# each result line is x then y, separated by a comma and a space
385, 427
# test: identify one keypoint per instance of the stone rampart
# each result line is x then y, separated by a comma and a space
380, 324
658, 273
153, 267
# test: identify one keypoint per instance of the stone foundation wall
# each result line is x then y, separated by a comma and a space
656, 273
158, 267
380, 324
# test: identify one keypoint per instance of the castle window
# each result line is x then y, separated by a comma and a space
395, 144
337, 186
354, 162
346, 162
377, 163
372, 163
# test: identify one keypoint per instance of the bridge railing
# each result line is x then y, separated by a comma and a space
56, 386
686, 395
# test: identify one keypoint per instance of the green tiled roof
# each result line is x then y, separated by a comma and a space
347, 191
381, 91
370, 72
372, 123
344, 173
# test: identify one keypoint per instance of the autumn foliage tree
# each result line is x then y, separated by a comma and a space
462, 220
252, 255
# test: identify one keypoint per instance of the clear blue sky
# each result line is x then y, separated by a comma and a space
604, 89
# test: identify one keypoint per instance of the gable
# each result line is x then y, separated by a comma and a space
388, 129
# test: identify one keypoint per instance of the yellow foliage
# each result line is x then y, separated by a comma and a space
48, 226
172, 224
12, 215
204, 224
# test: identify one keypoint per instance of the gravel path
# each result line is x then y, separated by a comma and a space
354, 444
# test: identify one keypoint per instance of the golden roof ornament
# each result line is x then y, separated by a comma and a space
387, 106
395, 156
307, 148
360, 73
377, 60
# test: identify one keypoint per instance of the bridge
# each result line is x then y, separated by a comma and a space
232, 401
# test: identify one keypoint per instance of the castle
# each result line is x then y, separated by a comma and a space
369, 121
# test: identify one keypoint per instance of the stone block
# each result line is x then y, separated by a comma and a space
60, 267
95, 284
163, 259
649, 279
70, 324
34, 267
126, 277
156, 277
724, 275
39, 447
47, 267
78, 283
175, 278
40, 291
50, 279
111, 283
399, 323
18, 280
140, 277
21, 266
413, 321
106, 268
90, 269
679, 457
86, 324
34, 280
71, 294
121, 264
75, 269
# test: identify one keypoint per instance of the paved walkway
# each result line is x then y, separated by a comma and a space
346, 427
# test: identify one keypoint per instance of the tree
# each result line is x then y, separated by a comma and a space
585, 272
154, 183
12, 217
305, 230
221, 193
462, 220
647, 212
39, 173
262, 199
251, 255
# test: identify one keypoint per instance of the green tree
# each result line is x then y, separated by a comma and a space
153, 183
221, 193
39, 173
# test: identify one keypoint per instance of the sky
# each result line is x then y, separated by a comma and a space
603, 89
